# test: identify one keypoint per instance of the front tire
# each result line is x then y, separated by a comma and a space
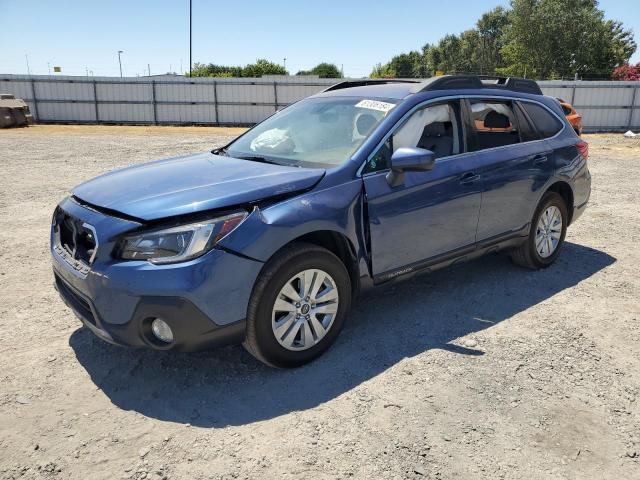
546, 236
298, 306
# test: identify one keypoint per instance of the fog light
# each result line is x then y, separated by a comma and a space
161, 330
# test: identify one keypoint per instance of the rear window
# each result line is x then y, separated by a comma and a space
494, 123
527, 132
546, 123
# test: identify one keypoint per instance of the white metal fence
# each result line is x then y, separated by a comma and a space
604, 106
167, 100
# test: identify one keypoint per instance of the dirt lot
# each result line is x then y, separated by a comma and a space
482, 371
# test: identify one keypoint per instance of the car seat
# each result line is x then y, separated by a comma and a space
491, 139
437, 137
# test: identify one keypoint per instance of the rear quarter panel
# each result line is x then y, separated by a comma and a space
572, 168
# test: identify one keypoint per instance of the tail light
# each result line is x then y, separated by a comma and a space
583, 149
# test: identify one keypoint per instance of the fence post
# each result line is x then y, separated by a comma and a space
573, 93
215, 101
95, 101
35, 99
155, 105
633, 106
275, 94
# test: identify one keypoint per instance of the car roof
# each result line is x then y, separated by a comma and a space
384, 90
401, 89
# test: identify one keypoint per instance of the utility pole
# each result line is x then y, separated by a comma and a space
149, 69
190, 34
87, 69
284, 62
120, 61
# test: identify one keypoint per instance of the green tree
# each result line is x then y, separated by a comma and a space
382, 71
323, 70
432, 55
491, 28
555, 38
212, 70
534, 38
405, 65
263, 67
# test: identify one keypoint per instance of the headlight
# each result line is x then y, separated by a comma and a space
179, 244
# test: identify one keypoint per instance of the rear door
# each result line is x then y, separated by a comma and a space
514, 163
431, 214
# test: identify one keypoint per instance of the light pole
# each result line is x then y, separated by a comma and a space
190, 37
284, 61
120, 61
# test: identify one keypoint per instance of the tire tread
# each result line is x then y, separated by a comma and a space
278, 261
522, 255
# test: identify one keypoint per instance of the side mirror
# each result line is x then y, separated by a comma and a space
407, 159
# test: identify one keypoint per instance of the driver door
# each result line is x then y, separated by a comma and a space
430, 215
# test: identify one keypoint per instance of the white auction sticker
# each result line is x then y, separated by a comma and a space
375, 105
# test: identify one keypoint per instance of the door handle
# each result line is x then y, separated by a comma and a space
469, 178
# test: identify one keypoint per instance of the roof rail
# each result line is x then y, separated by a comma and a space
448, 82
451, 82
365, 82
516, 84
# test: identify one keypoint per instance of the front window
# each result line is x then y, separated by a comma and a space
317, 132
436, 128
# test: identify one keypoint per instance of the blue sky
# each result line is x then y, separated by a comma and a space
81, 35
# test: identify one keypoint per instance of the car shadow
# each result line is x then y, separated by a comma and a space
228, 387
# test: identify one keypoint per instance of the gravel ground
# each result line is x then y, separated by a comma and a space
480, 371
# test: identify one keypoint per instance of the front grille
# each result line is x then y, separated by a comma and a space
75, 238
75, 300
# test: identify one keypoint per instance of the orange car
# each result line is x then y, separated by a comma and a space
575, 119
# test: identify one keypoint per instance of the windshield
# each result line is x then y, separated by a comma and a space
317, 132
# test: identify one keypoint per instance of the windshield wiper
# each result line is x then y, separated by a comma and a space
253, 158
219, 151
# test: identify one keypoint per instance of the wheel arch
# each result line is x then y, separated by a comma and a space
338, 244
563, 189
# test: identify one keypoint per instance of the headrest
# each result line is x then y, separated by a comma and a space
435, 129
496, 120
365, 123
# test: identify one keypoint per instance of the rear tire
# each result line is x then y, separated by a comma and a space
546, 237
295, 331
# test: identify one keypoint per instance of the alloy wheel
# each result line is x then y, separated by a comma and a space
304, 310
548, 231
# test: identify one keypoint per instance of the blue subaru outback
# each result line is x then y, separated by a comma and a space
267, 240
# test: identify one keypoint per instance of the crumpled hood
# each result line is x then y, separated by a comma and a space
192, 183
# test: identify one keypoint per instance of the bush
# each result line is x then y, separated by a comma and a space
261, 67
212, 70
627, 72
383, 71
323, 70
